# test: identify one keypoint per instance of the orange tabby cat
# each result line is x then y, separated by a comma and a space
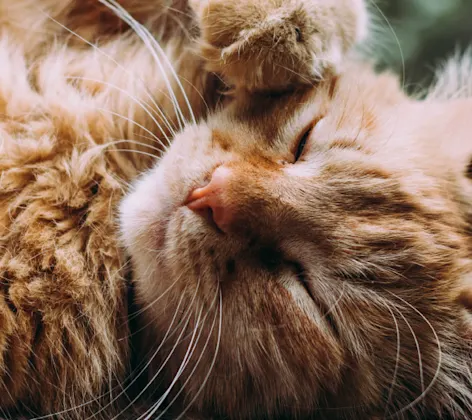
86, 104
297, 254
303, 255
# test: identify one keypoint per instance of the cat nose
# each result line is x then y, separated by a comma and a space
211, 201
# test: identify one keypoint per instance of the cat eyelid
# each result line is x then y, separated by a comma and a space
304, 139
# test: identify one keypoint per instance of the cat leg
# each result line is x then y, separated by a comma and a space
275, 44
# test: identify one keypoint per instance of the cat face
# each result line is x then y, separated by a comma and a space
296, 254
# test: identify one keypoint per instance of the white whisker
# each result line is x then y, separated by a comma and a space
144, 368
397, 40
205, 346
417, 344
154, 48
142, 104
139, 152
153, 136
167, 335
188, 354
210, 370
157, 108
440, 355
397, 360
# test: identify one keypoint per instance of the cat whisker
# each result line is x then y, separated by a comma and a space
139, 152
337, 301
204, 102
150, 305
440, 356
397, 40
179, 11
397, 360
154, 48
145, 366
308, 81
417, 344
181, 25
164, 363
210, 369
142, 104
186, 317
157, 108
152, 135
123, 390
134, 142
194, 339
92, 153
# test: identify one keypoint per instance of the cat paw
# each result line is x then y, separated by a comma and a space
273, 45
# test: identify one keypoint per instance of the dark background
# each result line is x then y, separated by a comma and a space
428, 31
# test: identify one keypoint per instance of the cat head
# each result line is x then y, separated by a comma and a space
298, 254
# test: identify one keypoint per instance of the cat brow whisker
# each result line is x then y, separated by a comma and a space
134, 142
397, 40
181, 25
154, 47
157, 108
179, 11
105, 147
200, 94
308, 81
337, 302
440, 356
139, 152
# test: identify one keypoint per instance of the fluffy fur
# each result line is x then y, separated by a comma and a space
229, 327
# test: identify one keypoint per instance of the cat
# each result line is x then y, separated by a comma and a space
306, 254
88, 101
301, 335
311, 250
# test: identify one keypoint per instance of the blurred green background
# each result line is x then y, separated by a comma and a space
427, 31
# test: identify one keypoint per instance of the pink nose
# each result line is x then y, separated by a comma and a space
212, 201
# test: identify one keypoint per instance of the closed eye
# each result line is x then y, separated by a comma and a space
302, 143
305, 138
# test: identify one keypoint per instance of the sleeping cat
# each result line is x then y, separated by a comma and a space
298, 251
306, 254
86, 104
302, 255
